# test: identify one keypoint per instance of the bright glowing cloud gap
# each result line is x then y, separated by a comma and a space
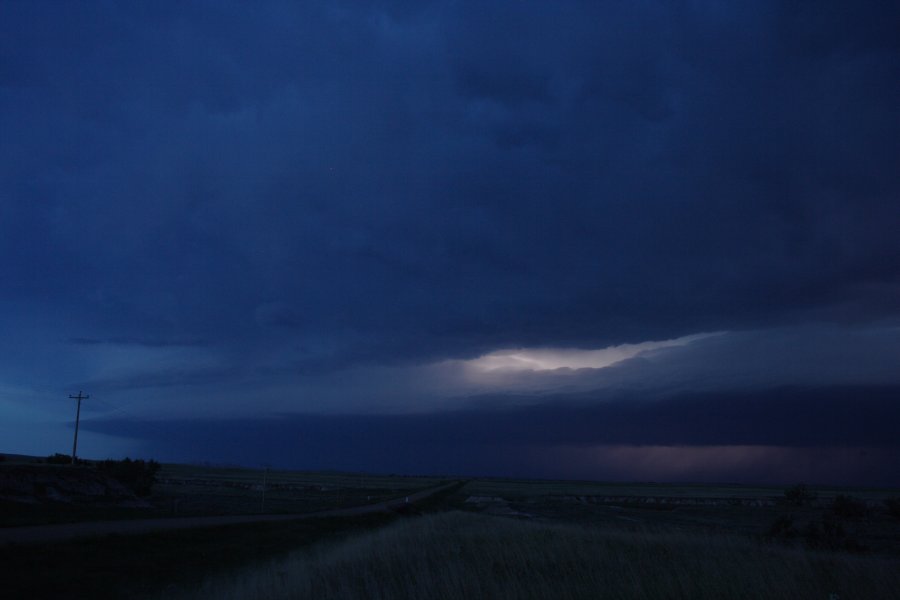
549, 359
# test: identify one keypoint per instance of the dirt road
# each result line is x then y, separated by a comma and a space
68, 531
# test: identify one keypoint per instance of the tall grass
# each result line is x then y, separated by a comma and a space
461, 555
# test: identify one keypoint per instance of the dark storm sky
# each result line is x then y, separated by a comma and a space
593, 239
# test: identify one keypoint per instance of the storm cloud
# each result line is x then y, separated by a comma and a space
328, 208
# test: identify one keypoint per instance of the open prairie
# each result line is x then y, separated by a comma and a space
458, 555
862, 514
496, 538
486, 537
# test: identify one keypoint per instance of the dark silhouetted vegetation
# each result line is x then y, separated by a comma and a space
782, 529
59, 459
799, 495
828, 533
138, 475
893, 507
848, 507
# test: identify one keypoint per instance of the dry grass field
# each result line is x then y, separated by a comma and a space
498, 538
457, 555
486, 538
748, 511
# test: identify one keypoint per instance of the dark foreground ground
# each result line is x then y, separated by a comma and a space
64, 532
853, 530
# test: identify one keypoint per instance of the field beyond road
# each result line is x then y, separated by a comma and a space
458, 556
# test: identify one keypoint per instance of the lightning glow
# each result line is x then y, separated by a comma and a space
551, 359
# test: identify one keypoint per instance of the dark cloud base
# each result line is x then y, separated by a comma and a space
423, 182
806, 426
225, 197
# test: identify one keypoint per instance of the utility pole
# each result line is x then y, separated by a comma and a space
262, 505
79, 397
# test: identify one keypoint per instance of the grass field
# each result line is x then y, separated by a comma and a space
739, 510
456, 555
530, 488
486, 538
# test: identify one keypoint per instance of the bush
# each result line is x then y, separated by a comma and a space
893, 507
799, 495
782, 529
829, 534
848, 507
138, 475
59, 459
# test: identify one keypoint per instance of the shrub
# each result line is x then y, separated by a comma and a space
782, 529
893, 506
829, 534
799, 495
138, 475
848, 507
59, 459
